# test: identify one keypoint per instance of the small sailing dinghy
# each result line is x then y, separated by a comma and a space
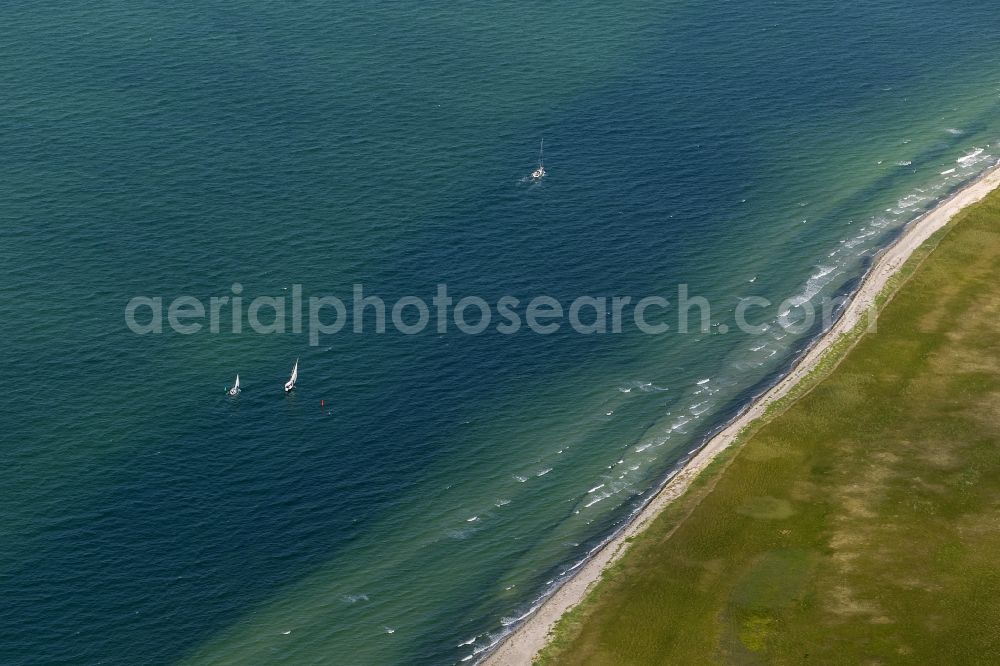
290, 384
539, 173
236, 387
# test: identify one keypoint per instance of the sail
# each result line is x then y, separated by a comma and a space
237, 384
290, 384
539, 173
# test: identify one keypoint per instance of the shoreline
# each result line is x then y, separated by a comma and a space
523, 643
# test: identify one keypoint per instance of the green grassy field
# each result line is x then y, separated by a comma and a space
860, 524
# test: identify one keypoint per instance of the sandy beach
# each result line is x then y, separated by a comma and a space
524, 643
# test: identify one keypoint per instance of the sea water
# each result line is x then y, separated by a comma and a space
448, 481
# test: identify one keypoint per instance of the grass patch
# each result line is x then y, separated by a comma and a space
859, 521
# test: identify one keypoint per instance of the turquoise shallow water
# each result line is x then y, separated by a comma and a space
453, 479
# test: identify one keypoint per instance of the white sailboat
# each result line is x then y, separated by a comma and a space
290, 384
539, 173
236, 387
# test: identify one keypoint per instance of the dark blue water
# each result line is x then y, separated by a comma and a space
448, 480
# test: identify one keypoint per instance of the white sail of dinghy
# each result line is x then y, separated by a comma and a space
539, 173
290, 384
236, 387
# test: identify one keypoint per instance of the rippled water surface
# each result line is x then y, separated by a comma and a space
448, 481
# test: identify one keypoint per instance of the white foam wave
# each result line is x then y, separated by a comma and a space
645, 387
700, 408
507, 621
575, 566
355, 598
909, 202
966, 160
822, 277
